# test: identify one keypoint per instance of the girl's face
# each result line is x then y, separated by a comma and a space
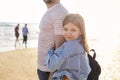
71, 32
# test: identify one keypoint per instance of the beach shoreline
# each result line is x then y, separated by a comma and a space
30, 44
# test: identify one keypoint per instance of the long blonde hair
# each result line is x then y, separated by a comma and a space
78, 20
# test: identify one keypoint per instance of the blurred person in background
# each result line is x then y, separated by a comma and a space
17, 35
25, 34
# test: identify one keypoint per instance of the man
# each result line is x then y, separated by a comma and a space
50, 35
25, 32
17, 34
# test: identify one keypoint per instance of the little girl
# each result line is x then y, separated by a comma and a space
70, 61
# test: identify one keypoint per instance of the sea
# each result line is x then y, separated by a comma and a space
7, 36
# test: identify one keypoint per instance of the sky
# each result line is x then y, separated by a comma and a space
98, 14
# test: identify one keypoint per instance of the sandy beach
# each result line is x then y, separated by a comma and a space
21, 64
18, 64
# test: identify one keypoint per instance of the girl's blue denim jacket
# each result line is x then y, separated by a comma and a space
69, 59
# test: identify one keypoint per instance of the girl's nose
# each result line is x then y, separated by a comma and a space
69, 33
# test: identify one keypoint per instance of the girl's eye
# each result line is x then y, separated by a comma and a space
65, 29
